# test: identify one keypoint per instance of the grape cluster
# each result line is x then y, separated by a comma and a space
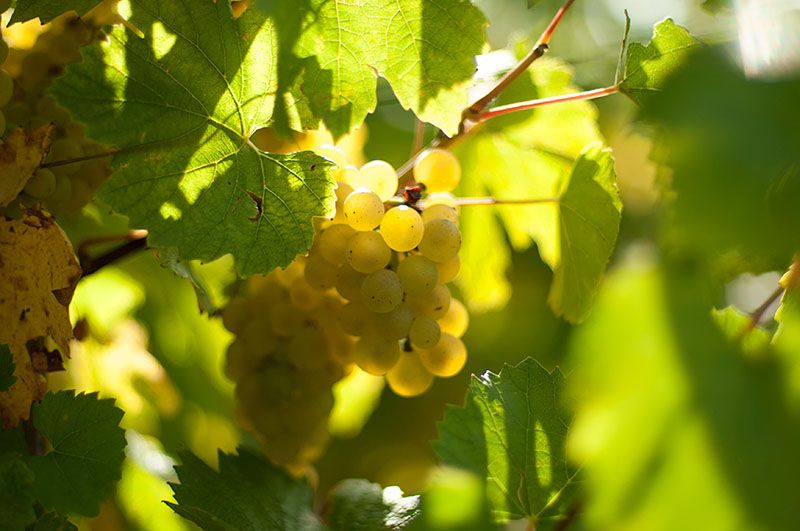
288, 353
24, 80
391, 263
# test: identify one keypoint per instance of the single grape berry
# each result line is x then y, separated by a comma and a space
402, 228
363, 209
438, 169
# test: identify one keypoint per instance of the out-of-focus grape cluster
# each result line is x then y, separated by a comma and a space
372, 291
26, 74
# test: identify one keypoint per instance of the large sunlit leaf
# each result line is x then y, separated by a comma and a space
358, 504
511, 432
648, 66
180, 106
424, 48
676, 427
87, 451
246, 494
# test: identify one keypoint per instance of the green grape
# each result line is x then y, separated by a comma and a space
395, 324
446, 358
3, 50
342, 191
440, 198
332, 153
319, 273
366, 252
307, 349
449, 270
65, 149
363, 209
409, 377
438, 169
434, 305
284, 319
236, 314
375, 354
424, 333
379, 176
418, 275
440, 212
81, 195
6, 87
333, 243
348, 282
381, 291
456, 320
402, 228
354, 318
303, 296
286, 276
42, 184
258, 339
442, 240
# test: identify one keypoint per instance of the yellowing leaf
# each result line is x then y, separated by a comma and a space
39, 272
20, 155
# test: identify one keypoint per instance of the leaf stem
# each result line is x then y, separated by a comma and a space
538, 50
532, 104
55, 163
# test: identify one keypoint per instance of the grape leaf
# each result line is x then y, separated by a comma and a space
21, 154
535, 157
787, 336
648, 66
39, 273
16, 498
247, 493
357, 504
47, 10
675, 427
731, 143
7, 377
87, 451
186, 170
424, 48
511, 432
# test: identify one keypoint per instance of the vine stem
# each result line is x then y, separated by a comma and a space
135, 240
532, 104
476, 108
482, 201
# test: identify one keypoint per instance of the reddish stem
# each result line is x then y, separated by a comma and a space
532, 104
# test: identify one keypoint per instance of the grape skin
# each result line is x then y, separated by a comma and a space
424, 333
402, 228
333, 243
449, 270
442, 240
418, 275
381, 291
376, 355
456, 321
446, 358
363, 209
366, 252
438, 169
409, 377
380, 177
440, 211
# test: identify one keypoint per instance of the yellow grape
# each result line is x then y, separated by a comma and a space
354, 318
307, 350
381, 291
434, 305
319, 273
438, 169
333, 242
442, 240
303, 296
395, 324
440, 198
418, 275
440, 211
446, 358
402, 228
375, 354
363, 209
332, 153
366, 252
348, 282
449, 270
456, 321
42, 184
409, 377
380, 177
424, 332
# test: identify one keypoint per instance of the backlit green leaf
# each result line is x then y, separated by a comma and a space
648, 66
47, 10
511, 432
180, 106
